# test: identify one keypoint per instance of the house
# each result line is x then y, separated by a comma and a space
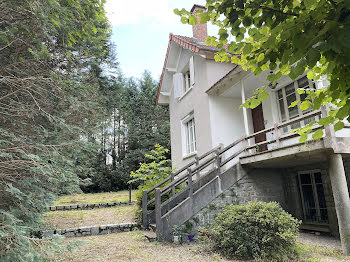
239, 155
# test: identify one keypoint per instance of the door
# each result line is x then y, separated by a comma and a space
258, 125
312, 197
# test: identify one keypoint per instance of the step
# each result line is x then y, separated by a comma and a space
150, 235
153, 227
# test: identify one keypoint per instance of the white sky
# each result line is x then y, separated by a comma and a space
141, 32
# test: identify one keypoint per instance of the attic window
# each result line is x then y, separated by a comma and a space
187, 81
184, 81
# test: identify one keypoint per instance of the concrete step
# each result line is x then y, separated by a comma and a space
150, 235
153, 227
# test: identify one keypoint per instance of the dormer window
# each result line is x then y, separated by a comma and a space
184, 81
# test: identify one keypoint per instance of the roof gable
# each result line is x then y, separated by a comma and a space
190, 43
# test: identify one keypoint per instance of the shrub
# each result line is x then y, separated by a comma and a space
258, 229
155, 169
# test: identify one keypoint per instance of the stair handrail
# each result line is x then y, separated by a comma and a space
184, 168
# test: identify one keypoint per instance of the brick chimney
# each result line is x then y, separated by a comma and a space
199, 30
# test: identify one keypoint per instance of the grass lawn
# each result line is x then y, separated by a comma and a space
93, 198
133, 246
79, 218
312, 253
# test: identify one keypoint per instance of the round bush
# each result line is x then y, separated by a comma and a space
258, 229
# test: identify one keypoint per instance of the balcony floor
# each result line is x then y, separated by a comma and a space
288, 156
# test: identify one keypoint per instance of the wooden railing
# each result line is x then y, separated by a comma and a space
215, 156
185, 180
276, 129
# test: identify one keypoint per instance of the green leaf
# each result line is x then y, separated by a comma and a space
343, 112
318, 134
184, 20
177, 11
247, 21
339, 125
305, 105
55, 22
309, 3
192, 20
325, 121
247, 49
263, 95
303, 138
311, 74
297, 70
294, 104
260, 57
235, 60
254, 103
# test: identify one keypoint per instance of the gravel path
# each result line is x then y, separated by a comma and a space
322, 240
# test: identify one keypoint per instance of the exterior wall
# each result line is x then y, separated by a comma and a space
259, 184
215, 71
226, 120
195, 100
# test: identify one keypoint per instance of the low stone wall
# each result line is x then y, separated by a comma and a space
91, 231
90, 206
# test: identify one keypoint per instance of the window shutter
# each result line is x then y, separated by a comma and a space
191, 71
178, 83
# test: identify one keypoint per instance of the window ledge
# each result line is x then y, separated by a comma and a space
189, 155
184, 94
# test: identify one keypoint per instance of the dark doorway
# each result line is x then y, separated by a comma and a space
258, 125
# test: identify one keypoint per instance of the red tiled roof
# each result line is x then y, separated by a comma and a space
189, 43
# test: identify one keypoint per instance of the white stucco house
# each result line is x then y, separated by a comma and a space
204, 98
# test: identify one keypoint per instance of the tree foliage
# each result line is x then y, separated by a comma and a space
130, 127
157, 169
287, 37
48, 91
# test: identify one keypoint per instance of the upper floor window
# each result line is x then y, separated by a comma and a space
184, 81
187, 81
287, 95
189, 134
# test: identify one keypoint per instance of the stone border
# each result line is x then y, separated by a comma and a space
91, 231
90, 206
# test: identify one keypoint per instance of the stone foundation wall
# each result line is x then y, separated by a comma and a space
90, 206
258, 184
91, 231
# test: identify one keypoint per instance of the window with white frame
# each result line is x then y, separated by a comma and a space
189, 134
187, 81
184, 81
287, 95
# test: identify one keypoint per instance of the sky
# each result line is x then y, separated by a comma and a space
141, 32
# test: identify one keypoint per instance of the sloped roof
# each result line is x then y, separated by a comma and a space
186, 42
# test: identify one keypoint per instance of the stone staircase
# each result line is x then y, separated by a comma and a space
182, 195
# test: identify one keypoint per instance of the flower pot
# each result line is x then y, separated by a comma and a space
176, 239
